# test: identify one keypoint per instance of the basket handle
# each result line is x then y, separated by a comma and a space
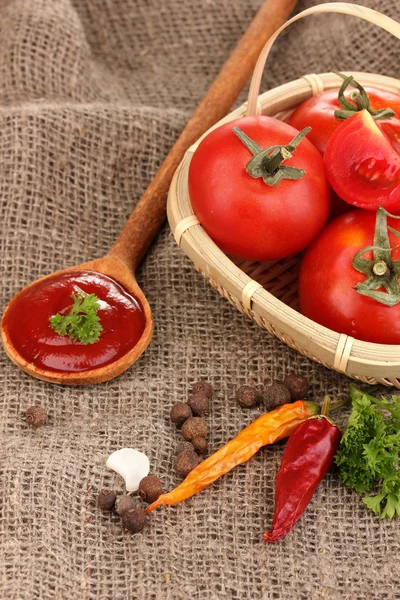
368, 14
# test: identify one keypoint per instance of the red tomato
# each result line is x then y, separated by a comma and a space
327, 280
362, 166
318, 112
243, 215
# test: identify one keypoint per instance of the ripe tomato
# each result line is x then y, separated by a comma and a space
318, 112
243, 215
327, 281
362, 166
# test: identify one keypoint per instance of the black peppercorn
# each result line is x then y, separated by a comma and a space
202, 387
200, 445
124, 503
184, 446
106, 500
248, 396
298, 386
134, 520
36, 415
199, 404
150, 488
275, 395
194, 427
186, 462
180, 412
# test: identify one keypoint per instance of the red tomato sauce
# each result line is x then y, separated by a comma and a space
27, 322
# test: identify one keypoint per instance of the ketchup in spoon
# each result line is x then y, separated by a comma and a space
27, 322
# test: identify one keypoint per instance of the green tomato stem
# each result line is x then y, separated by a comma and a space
360, 101
267, 162
382, 271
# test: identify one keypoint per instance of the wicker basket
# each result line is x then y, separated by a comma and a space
267, 292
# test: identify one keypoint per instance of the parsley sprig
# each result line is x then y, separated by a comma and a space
81, 323
368, 456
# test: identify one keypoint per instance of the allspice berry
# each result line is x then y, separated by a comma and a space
180, 412
202, 387
298, 386
199, 404
200, 445
184, 446
36, 415
150, 488
275, 395
123, 504
186, 462
134, 520
106, 499
248, 396
194, 427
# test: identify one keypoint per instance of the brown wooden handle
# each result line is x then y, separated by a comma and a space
150, 212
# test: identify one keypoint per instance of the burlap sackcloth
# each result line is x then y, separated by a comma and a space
93, 94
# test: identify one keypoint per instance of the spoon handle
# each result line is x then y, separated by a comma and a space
150, 212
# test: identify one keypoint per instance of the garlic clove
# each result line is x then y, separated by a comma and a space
131, 464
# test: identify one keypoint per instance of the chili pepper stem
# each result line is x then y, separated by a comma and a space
325, 406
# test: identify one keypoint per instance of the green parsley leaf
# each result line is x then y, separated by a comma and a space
81, 323
387, 503
374, 503
368, 455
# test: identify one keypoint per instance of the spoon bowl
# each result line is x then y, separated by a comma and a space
117, 270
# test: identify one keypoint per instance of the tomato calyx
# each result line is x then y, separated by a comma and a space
381, 271
360, 101
267, 162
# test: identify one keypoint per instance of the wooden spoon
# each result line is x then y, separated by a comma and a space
123, 258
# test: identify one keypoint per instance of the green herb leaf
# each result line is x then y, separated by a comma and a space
368, 455
374, 503
81, 323
387, 503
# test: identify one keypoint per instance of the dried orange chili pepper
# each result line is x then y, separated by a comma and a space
267, 429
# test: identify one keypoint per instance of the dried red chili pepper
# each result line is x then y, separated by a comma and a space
307, 458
